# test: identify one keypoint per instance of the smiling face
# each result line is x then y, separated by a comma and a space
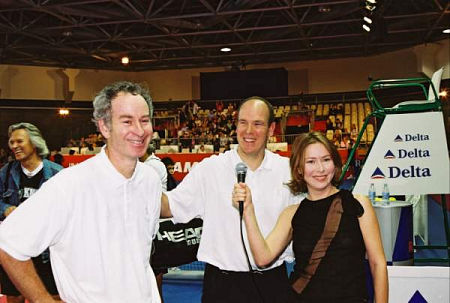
20, 144
130, 129
253, 128
319, 169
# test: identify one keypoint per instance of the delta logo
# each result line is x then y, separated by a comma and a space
398, 139
378, 174
410, 137
396, 172
389, 155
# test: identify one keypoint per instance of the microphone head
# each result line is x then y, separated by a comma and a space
241, 171
241, 168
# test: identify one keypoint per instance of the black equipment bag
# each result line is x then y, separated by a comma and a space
176, 244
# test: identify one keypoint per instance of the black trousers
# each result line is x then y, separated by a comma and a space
271, 286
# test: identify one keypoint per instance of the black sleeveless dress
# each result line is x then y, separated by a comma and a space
341, 274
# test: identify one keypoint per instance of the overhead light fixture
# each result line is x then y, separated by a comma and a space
366, 28
367, 19
443, 94
324, 9
446, 31
371, 5
63, 112
125, 60
225, 49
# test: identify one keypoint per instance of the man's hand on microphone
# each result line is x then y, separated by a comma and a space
241, 192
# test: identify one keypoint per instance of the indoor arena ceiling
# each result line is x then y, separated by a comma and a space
168, 34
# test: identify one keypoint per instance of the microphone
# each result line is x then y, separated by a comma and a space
241, 171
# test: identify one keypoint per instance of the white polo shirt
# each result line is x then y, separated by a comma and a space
99, 227
206, 193
156, 163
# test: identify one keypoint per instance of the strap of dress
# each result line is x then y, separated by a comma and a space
331, 227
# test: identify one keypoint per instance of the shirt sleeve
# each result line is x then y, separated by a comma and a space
36, 224
156, 202
187, 200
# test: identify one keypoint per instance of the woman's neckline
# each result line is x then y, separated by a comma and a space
334, 192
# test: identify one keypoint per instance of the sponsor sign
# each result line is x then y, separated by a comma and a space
410, 155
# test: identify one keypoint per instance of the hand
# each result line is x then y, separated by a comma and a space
9, 210
241, 192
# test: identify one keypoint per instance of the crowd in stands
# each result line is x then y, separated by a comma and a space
216, 127
192, 128
86, 145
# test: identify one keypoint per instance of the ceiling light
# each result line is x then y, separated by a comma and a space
443, 94
368, 20
225, 49
366, 28
446, 31
372, 1
324, 9
125, 60
63, 112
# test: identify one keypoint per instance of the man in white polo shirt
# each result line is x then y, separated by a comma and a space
206, 193
98, 218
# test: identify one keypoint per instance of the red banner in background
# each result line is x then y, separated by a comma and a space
183, 162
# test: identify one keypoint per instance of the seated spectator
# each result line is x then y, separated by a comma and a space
58, 159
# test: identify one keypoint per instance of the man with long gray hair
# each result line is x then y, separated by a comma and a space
97, 217
18, 181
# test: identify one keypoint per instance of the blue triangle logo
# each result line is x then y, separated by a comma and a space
417, 298
377, 174
398, 139
389, 155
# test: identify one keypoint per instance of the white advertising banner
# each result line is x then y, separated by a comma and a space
410, 155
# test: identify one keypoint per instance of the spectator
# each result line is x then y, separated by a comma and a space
58, 159
19, 180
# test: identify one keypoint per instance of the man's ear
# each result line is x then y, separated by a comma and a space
104, 129
271, 129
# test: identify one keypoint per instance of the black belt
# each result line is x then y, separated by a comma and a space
243, 273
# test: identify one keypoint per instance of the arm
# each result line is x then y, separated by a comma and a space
165, 207
264, 250
5, 208
372, 240
25, 278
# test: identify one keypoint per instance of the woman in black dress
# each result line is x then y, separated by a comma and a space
332, 230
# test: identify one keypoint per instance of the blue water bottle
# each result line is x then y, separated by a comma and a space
372, 193
385, 194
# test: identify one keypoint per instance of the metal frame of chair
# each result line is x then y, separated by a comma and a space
430, 103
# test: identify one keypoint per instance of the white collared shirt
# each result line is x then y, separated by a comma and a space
99, 226
206, 193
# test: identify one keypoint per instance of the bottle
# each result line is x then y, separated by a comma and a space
385, 193
372, 193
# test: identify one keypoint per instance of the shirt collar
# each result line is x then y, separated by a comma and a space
265, 164
32, 173
116, 177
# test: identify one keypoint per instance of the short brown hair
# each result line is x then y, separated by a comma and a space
297, 161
